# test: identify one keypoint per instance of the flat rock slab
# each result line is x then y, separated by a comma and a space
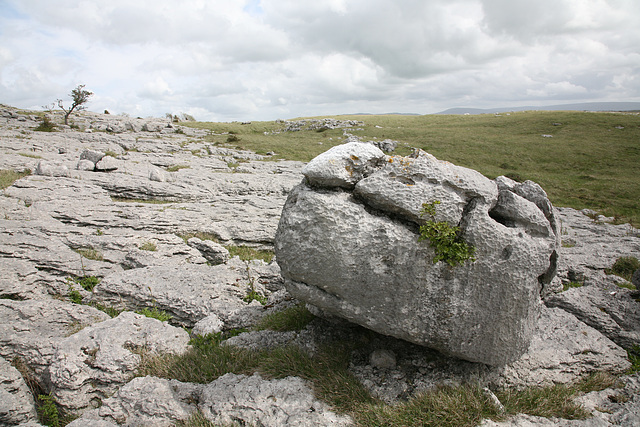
230, 399
93, 363
187, 292
31, 329
612, 310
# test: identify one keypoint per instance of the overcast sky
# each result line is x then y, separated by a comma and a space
226, 60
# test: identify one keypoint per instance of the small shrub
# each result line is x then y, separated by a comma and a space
46, 125
155, 313
233, 138
148, 246
624, 267
48, 411
444, 238
74, 295
290, 319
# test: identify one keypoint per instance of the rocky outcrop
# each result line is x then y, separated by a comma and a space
93, 363
130, 231
356, 254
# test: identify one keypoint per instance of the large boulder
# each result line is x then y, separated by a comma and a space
348, 244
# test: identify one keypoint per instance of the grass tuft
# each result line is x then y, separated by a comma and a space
290, 319
8, 177
624, 267
155, 313
247, 253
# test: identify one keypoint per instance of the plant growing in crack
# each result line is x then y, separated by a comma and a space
444, 238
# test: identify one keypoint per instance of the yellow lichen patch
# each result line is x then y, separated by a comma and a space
355, 158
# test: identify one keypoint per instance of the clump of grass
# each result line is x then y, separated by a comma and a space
176, 168
634, 358
197, 419
155, 313
8, 177
90, 253
567, 286
87, 282
624, 267
31, 156
74, 295
111, 311
247, 253
148, 246
461, 406
149, 201
111, 153
202, 235
290, 319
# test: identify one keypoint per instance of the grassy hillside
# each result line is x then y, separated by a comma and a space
591, 161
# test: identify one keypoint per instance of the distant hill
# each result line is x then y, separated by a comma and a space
586, 106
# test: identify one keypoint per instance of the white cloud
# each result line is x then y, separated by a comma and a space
262, 59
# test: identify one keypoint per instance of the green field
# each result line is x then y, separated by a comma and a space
591, 161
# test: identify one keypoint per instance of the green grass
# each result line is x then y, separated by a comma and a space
290, 319
567, 286
588, 163
176, 168
155, 313
634, 358
624, 267
148, 201
8, 177
31, 156
327, 372
87, 282
148, 246
90, 253
247, 253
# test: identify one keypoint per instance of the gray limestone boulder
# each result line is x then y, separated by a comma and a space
93, 363
48, 168
214, 252
107, 164
16, 402
92, 155
356, 254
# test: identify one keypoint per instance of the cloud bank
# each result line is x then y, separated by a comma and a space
264, 59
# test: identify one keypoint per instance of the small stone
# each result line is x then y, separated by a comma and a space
382, 359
